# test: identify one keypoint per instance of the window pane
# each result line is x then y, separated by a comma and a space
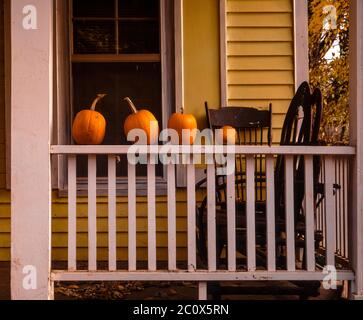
94, 37
138, 8
139, 37
140, 81
95, 9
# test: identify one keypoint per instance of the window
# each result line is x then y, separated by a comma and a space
117, 27
115, 48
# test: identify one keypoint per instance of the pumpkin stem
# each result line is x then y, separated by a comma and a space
100, 96
131, 104
182, 110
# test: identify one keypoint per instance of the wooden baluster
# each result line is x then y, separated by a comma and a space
92, 213
112, 232
289, 212
251, 213
270, 198
330, 211
231, 212
132, 216
309, 213
211, 205
72, 213
191, 195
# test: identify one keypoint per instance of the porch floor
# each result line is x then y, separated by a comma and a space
149, 292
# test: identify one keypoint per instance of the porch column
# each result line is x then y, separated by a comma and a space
31, 103
356, 136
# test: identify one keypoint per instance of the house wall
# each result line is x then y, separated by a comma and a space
260, 56
260, 70
201, 56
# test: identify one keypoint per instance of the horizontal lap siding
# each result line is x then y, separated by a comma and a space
60, 228
260, 56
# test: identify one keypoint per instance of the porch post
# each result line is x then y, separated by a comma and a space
356, 136
31, 102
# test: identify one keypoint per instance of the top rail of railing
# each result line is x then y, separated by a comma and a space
198, 149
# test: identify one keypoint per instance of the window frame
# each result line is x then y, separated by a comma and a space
63, 93
117, 56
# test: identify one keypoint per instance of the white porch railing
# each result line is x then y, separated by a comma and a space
331, 218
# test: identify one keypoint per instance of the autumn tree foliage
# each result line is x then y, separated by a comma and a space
329, 67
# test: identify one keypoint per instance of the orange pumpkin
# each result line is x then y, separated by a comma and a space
180, 122
89, 126
229, 132
142, 119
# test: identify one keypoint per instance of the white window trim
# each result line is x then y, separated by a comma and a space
179, 75
63, 102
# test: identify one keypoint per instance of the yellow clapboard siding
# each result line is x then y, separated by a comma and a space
259, 6
274, 48
180, 198
254, 19
60, 254
263, 92
61, 211
122, 225
278, 121
259, 34
4, 254
276, 135
5, 210
278, 106
261, 63
59, 240
60, 206
260, 77
260, 60
61, 225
